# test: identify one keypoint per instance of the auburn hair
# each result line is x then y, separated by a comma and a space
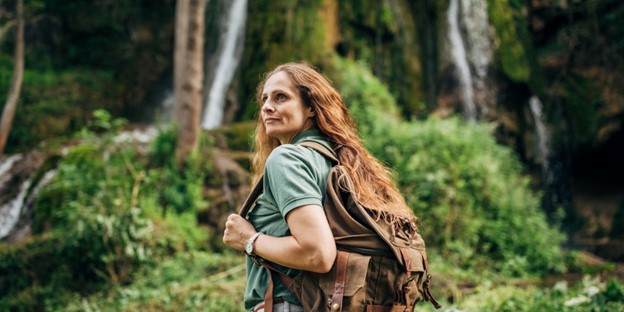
374, 187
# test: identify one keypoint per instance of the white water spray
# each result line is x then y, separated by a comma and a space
543, 135
5, 166
9, 212
474, 18
231, 42
458, 52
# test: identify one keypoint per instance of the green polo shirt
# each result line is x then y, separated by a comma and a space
294, 176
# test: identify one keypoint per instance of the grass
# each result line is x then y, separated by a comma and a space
192, 281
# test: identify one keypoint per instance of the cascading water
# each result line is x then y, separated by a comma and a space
471, 50
555, 182
5, 166
9, 207
477, 33
15, 180
542, 133
458, 52
21, 226
10, 211
228, 57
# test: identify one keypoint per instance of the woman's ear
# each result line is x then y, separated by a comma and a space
311, 112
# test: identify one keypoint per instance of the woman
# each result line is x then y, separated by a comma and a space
288, 227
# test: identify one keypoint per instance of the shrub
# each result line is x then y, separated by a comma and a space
476, 207
471, 195
99, 220
179, 189
94, 202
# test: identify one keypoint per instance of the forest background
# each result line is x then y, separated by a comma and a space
502, 120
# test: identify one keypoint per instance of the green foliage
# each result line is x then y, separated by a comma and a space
468, 190
193, 281
179, 189
581, 112
384, 35
239, 135
27, 263
471, 196
290, 31
368, 100
99, 221
53, 104
511, 53
94, 201
589, 295
81, 56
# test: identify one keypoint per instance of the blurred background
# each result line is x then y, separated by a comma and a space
126, 139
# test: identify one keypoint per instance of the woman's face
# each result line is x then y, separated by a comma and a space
283, 112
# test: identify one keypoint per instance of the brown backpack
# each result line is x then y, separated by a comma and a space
381, 263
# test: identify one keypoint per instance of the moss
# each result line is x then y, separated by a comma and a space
289, 31
581, 112
368, 99
511, 53
384, 36
56, 103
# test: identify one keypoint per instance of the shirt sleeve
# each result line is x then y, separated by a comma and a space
292, 180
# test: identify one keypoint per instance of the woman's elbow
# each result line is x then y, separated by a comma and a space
324, 261
326, 266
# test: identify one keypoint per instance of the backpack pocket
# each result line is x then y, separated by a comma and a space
315, 290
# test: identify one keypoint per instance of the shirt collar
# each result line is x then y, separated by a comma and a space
307, 135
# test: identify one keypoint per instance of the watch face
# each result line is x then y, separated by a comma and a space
249, 248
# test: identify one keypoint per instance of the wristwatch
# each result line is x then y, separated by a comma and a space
249, 247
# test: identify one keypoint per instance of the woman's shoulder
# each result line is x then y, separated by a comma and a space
287, 152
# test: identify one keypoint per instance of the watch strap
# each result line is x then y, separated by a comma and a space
252, 240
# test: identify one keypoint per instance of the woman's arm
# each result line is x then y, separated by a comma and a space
311, 246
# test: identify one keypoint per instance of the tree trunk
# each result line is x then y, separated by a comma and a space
16, 83
189, 74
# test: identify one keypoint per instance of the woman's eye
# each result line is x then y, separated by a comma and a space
280, 97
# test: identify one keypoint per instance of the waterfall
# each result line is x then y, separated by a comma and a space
475, 22
21, 227
10, 211
471, 52
10, 206
229, 54
458, 53
477, 33
5, 166
16, 178
543, 136
555, 174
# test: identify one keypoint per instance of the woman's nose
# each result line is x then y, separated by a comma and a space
267, 107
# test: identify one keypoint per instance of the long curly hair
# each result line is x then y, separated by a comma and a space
374, 187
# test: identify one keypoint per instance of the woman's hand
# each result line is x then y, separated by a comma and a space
237, 232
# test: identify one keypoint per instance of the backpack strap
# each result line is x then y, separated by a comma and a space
268, 295
251, 199
325, 151
258, 187
428, 295
335, 303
